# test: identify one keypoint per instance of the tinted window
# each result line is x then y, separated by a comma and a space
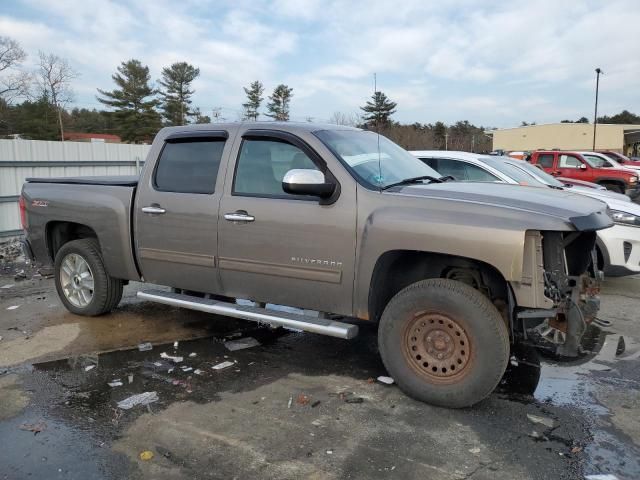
546, 160
477, 174
262, 165
189, 166
598, 162
569, 161
454, 168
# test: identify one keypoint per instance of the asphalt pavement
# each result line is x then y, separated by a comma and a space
294, 405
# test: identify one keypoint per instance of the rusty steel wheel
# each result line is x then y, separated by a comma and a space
436, 347
444, 342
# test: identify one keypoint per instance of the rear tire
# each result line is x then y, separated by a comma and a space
444, 343
83, 284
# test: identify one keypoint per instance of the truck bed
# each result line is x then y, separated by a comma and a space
111, 181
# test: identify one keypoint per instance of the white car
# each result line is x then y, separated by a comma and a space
618, 247
607, 162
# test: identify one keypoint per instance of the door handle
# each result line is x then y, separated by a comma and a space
153, 210
239, 216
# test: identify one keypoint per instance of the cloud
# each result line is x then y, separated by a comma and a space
494, 62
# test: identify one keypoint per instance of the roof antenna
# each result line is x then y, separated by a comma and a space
375, 91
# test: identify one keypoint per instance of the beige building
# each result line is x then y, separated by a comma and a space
568, 136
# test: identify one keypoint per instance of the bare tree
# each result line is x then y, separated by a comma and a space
348, 119
55, 75
14, 82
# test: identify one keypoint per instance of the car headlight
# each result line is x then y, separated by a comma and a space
633, 180
624, 218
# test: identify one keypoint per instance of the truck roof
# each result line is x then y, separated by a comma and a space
266, 125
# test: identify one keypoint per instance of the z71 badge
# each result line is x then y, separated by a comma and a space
39, 203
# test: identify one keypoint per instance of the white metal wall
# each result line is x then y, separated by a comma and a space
20, 159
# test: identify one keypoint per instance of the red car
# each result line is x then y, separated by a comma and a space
580, 167
620, 158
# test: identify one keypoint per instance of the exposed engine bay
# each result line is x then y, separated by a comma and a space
572, 282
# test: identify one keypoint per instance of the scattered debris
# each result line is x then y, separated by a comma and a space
89, 367
329, 452
140, 399
547, 422
241, 344
145, 347
475, 450
197, 371
514, 361
20, 275
13, 307
603, 476
157, 364
385, 380
192, 354
576, 449
115, 383
146, 455
315, 404
171, 370
222, 365
290, 401
316, 423
8, 285
175, 359
303, 399
354, 400
36, 428
175, 344
184, 368
130, 378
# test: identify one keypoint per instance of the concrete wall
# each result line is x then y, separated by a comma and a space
20, 159
564, 136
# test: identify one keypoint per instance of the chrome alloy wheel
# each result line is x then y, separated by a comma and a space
76, 279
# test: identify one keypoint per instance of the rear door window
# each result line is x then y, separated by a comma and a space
189, 165
545, 160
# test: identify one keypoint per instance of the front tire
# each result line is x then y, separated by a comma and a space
444, 343
83, 284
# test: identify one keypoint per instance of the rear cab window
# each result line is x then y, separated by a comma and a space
189, 165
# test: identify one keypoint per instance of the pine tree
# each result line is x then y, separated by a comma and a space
176, 93
378, 112
133, 102
278, 106
254, 100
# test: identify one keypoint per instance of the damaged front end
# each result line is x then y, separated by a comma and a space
572, 284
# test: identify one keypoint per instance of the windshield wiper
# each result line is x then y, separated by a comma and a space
408, 181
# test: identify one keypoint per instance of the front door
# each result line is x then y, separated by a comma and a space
572, 166
282, 248
176, 213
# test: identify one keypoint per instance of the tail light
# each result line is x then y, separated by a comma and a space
23, 213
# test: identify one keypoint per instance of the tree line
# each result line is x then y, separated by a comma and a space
137, 107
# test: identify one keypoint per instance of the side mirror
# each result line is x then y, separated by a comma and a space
582, 166
307, 182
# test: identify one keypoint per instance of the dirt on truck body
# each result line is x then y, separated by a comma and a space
336, 220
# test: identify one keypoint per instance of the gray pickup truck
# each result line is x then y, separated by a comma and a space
336, 220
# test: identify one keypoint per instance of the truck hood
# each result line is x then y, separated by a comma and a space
582, 212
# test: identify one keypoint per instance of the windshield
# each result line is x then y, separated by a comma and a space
539, 174
597, 161
374, 159
512, 172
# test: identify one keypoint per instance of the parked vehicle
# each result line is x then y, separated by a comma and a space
336, 220
618, 248
588, 168
621, 159
578, 183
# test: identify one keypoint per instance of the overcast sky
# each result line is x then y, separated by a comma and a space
491, 62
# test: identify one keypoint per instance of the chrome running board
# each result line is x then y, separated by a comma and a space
262, 315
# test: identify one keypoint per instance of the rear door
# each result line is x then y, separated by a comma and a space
176, 212
546, 161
